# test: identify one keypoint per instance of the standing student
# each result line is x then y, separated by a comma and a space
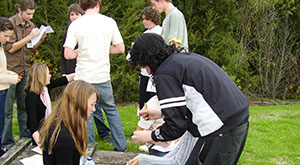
68, 66
64, 134
7, 77
151, 21
97, 36
18, 50
174, 29
195, 95
37, 100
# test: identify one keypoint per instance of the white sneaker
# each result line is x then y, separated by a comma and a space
143, 148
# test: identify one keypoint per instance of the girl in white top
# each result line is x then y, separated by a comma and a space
6, 77
151, 20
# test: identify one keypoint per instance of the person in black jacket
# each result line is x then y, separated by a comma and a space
195, 95
64, 134
68, 66
37, 100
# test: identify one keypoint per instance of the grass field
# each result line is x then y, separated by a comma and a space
274, 135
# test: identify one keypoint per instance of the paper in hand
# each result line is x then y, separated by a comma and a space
43, 29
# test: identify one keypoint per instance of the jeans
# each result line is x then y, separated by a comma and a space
2, 113
18, 92
103, 130
107, 103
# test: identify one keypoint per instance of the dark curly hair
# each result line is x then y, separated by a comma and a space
150, 49
5, 24
150, 14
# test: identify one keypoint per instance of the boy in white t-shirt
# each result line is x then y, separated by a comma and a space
97, 36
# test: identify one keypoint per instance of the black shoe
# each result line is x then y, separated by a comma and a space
125, 150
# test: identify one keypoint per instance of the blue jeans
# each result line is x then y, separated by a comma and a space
18, 92
103, 130
107, 103
2, 112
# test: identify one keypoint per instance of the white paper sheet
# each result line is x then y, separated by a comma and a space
38, 150
33, 160
43, 29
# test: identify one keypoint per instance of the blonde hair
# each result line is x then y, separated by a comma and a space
71, 111
36, 79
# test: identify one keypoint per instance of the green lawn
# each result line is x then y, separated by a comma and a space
274, 135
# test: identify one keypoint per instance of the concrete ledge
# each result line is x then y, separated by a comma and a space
24, 153
91, 149
112, 157
12, 153
99, 157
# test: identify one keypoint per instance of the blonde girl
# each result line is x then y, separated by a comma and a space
64, 134
37, 100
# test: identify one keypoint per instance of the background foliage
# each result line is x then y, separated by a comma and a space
255, 41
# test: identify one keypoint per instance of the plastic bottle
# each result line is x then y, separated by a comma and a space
90, 161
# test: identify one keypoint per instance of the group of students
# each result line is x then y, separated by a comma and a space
38, 105
197, 101
64, 136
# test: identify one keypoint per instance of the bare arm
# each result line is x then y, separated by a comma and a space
36, 137
117, 49
40, 41
143, 136
70, 53
18, 45
70, 77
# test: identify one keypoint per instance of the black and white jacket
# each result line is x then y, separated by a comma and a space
195, 94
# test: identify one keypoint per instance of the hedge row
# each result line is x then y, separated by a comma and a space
254, 41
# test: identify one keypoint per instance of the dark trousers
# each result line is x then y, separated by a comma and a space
156, 152
2, 114
144, 96
224, 149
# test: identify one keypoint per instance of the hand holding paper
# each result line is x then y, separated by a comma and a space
34, 32
43, 29
151, 110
